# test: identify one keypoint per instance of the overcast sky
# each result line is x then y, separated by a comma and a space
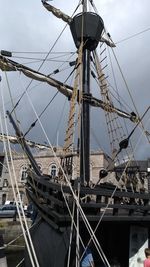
28, 26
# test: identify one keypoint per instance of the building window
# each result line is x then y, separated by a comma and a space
22, 195
40, 167
74, 172
5, 183
91, 172
53, 170
23, 173
3, 199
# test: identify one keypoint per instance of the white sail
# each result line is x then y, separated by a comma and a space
14, 140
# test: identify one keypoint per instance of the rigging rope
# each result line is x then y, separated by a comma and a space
23, 225
44, 60
133, 35
62, 65
15, 197
71, 121
124, 172
53, 59
73, 223
97, 245
127, 87
115, 131
71, 230
119, 98
34, 123
39, 67
33, 52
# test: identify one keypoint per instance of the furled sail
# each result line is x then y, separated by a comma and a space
14, 140
105, 38
110, 108
9, 65
57, 12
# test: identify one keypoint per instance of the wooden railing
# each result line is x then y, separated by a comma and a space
102, 201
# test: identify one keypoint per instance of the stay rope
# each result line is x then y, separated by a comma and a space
95, 241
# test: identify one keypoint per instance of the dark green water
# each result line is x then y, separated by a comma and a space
13, 258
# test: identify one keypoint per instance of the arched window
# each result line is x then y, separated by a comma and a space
23, 171
53, 170
5, 183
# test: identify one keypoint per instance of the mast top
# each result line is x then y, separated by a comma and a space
87, 26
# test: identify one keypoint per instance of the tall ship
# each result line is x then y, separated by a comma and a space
75, 211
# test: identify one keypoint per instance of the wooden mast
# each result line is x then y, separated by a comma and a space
87, 27
85, 115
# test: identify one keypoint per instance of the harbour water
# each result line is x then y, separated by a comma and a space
10, 230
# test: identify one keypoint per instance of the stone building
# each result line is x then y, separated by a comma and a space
49, 164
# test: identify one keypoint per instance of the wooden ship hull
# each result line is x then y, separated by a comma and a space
113, 216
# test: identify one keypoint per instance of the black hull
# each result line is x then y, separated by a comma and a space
52, 246
51, 235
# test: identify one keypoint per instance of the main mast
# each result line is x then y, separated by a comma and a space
86, 27
85, 117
